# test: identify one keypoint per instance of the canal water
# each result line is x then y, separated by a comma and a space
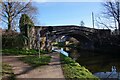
95, 62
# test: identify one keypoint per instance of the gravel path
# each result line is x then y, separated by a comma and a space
23, 70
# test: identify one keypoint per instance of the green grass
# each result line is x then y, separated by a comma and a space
72, 69
36, 61
7, 73
6, 69
22, 52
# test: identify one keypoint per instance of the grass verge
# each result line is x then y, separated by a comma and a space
7, 73
6, 69
72, 69
36, 61
22, 52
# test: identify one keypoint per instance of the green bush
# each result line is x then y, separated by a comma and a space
12, 41
66, 60
72, 69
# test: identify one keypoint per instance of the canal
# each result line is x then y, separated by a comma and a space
93, 61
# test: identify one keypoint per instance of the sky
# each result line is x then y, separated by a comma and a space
52, 13
67, 13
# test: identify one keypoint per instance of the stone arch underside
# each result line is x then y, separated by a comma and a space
84, 40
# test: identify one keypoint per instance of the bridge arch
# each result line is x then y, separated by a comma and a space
84, 41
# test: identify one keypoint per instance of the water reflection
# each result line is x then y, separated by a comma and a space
95, 62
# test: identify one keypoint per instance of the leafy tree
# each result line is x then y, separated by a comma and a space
25, 23
12, 40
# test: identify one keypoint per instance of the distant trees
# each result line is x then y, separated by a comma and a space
82, 23
11, 11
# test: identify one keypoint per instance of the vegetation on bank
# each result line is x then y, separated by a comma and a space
72, 69
6, 70
22, 52
35, 61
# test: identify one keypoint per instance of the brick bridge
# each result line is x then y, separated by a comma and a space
80, 33
86, 36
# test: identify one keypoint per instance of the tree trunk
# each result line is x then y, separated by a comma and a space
119, 28
118, 16
9, 23
9, 16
